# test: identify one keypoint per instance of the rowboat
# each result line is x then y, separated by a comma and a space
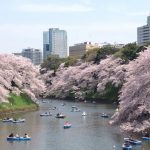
67, 125
132, 141
19, 121
18, 138
46, 114
60, 116
146, 138
126, 147
84, 114
104, 115
7, 120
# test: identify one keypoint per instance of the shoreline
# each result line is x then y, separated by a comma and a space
11, 112
98, 101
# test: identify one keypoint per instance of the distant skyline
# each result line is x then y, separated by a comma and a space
22, 22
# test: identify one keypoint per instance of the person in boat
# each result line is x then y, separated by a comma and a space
6, 119
17, 136
58, 114
131, 138
63, 104
127, 144
11, 135
26, 135
66, 122
147, 135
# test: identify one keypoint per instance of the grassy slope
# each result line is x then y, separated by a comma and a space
18, 103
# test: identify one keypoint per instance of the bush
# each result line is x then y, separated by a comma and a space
103, 52
129, 52
90, 55
52, 62
70, 61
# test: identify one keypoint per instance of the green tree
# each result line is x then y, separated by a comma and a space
103, 52
90, 55
71, 61
52, 62
129, 51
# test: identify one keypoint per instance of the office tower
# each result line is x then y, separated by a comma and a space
46, 50
55, 43
34, 54
143, 33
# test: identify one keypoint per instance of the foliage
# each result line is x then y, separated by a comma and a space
111, 92
70, 95
109, 95
52, 62
103, 52
70, 61
98, 54
90, 55
129, 52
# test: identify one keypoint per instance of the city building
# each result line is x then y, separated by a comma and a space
105, 44
34, 54
17, 54
81, 48
119, 45
55, 43
143, 33
46, 50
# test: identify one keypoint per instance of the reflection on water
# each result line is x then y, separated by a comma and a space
90, 132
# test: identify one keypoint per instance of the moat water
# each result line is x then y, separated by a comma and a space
91, 132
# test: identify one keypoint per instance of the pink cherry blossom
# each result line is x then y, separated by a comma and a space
19, 75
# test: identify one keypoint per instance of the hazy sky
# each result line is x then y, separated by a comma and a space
22, 22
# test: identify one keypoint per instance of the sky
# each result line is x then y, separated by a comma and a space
22, 22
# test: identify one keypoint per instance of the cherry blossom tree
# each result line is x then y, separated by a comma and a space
85, 77
19, 75
134, 108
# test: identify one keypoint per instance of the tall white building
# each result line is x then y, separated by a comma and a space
55, 43
34, 54
143, 33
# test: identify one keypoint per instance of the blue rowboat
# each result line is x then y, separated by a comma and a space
146, 138
18, 139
